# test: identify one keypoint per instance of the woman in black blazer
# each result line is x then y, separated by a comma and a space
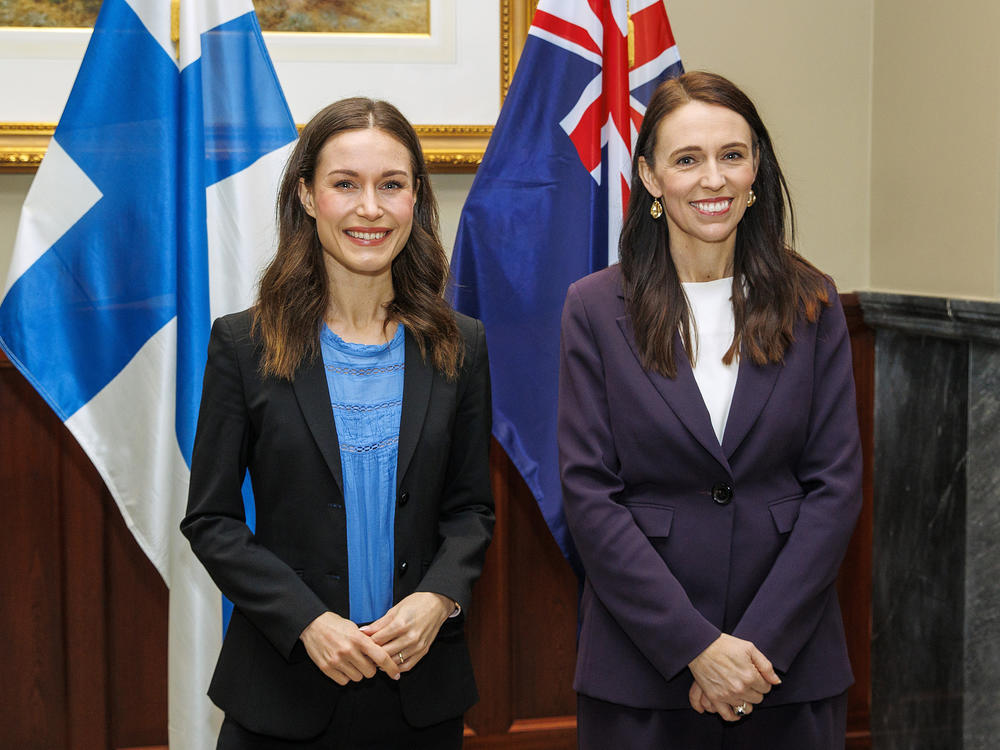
359, 404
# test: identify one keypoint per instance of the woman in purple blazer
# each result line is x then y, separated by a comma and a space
709, 451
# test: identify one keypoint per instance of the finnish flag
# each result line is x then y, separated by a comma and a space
151, 215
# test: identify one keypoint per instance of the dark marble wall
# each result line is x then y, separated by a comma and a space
936, 600
919, 539
982, 578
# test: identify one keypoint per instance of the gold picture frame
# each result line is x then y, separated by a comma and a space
448, 148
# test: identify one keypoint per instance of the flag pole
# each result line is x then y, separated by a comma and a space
175, 27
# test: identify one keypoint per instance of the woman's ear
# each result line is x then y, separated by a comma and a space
306, 198
648, 178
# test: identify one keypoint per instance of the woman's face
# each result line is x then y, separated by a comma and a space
362, 199
703, 169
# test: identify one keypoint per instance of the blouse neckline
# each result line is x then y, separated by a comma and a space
327, 336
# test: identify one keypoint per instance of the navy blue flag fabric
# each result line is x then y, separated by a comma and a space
150, 215
546, 207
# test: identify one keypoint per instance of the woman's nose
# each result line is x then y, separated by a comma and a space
712, 178
368, 204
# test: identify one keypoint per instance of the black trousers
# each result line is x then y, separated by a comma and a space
369, 716
819, 725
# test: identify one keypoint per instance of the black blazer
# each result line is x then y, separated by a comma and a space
294, 567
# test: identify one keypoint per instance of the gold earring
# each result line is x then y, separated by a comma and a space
751, 198
656, 210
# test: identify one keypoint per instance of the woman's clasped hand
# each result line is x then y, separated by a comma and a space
343, 652
394, 643
729, 674
407, 630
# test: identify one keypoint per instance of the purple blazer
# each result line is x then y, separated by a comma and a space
682, 538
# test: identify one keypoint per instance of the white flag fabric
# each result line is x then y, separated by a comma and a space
151, 214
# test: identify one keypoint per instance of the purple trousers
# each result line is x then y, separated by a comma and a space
819, 725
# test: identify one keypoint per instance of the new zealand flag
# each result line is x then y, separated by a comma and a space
546, 206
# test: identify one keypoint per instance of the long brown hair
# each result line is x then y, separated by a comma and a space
772, 284
294, 293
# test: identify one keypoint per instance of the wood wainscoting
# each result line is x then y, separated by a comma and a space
83, 627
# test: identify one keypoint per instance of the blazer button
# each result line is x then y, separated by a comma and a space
722, 493
403, 567
404, 497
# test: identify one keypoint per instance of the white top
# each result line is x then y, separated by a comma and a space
710, 303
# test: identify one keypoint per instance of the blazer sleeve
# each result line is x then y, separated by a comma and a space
627, 574
465, 524
264, 588
789, 604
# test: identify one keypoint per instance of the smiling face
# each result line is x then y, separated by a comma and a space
702, 170
362, 199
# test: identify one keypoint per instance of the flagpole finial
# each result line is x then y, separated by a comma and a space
175, 26
631, 35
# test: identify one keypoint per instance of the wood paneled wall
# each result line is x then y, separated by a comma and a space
83, 626
83, 622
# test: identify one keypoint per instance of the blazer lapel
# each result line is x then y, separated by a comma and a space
754, 385
313, 395
681, 394
417, 378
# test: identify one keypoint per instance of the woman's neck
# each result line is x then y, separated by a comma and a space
704, 261
356, 310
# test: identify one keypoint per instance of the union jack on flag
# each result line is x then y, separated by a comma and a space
547, 203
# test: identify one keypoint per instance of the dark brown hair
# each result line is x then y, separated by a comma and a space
294, 293
772, 284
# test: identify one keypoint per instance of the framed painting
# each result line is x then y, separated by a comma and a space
304, 16
419, 72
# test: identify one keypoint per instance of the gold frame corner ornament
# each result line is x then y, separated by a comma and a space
453, 148
447, 148
23, 144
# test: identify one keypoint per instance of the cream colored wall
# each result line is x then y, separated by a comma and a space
450, 191
807, 66
936, 148
13, 188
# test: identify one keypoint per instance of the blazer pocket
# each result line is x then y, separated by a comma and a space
652, 520
785, 513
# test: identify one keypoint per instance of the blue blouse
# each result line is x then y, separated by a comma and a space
366, 393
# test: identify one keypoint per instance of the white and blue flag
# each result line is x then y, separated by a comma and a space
151, 215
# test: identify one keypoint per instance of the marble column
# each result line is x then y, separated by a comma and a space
936, 598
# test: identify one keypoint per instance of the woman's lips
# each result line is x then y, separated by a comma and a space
715, 207
367, 236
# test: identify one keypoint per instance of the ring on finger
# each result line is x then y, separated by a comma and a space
741, 709
400, 657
